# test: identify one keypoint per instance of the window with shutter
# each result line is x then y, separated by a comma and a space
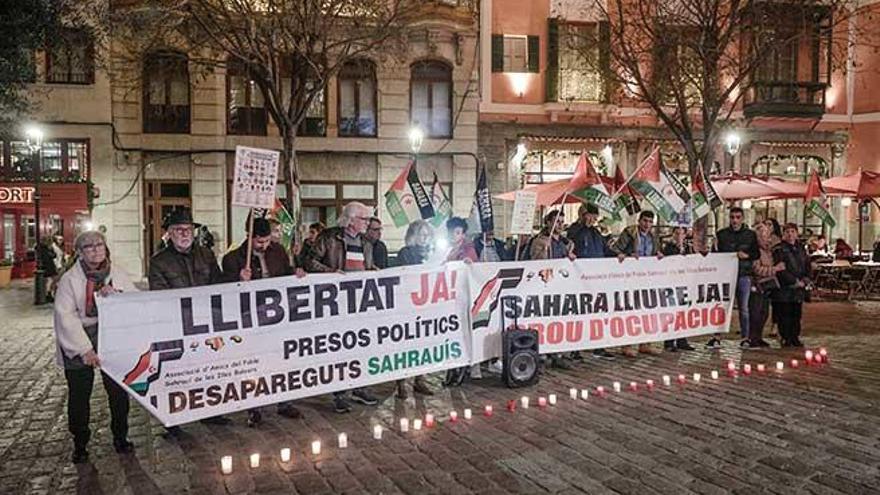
516, 53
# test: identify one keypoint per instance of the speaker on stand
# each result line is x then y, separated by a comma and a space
520, 357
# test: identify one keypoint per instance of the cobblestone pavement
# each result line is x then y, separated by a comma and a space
810, 430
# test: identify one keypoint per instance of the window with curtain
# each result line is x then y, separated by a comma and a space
245, 108
579, 76
166, 93
70, 58
357, 99
431, 98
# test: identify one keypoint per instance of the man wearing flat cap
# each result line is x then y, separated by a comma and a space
268, 259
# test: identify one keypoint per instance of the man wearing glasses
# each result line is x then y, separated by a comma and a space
184, 263
374, 237
345, 249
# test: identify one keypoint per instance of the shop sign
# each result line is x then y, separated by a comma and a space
16, 194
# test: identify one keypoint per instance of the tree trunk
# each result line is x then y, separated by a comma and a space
291, 173
701, 226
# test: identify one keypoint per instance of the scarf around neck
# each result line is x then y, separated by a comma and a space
96, 278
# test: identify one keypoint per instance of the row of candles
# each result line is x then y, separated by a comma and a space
417, 424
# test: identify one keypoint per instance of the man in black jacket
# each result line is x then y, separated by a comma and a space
739, 239
180, 264
268, 259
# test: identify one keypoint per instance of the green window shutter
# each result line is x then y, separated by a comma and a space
551, 73
605, 61
534, 53
497, 53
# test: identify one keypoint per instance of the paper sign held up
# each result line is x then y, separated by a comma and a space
256, 173
524, 206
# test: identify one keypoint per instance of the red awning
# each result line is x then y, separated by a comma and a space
860, 185
736, 187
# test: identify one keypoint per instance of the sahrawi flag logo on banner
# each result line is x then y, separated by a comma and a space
817, 202
407, 199
442, 206
660, 188
595, 191
704, 198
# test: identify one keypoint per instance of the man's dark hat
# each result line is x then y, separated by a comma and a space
178, 216
262, 227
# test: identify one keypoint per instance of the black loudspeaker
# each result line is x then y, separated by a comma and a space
520, 357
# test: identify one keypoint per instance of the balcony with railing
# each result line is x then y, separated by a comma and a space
785, 99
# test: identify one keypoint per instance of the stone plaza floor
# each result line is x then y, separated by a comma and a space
806, 430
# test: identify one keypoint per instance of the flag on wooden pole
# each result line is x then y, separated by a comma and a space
817, 202
442, 205
624, 196
595, 191
666, 194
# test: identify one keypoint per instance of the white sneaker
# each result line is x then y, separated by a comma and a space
476, 374
496, 367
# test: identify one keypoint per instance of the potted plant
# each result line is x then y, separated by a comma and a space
5, 272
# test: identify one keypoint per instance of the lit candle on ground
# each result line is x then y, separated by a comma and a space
633, 386
650, 384
714, 374
285, 455
616, 386
255, 460
542, 402
429, 420
552, 399
417, 424
666, 380
747, 369
524, 402
682, 379
761, 368
808, 357
817, 358
404, 424
453, 416
794, 363
600, 390
731, 366
226, 464
824, 353
316, 447
585, 394
511, 405
377, 432
468, 414
697, 377
343, 441
573, 393
779, 365
487, 411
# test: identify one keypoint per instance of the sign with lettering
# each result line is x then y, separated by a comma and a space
16, 194
256, 173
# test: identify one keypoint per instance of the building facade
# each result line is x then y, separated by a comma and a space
538, 96
162, 135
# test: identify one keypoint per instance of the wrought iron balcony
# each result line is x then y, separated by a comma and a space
785, 99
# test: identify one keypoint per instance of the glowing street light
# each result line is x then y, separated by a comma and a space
732, 142
416, 137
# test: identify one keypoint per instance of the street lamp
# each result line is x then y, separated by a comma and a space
35, 144
416, 137
732, 142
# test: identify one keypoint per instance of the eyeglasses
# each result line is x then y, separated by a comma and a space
181, 230
90, 247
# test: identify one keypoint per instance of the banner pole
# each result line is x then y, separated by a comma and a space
517, 246
553, 228
250, 238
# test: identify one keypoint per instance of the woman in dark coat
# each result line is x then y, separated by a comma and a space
794, 281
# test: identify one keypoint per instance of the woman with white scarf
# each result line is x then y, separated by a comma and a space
76, 335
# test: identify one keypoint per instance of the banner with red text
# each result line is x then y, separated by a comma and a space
597, 303
188, 354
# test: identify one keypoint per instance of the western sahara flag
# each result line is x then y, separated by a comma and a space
442, 206
407, 199
817, 202
624, 196
490, 294
280, 214
149, 366
483, 202
595, 191
660, 188
703, 196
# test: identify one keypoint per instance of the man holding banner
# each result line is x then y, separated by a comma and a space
345, 249
268, 259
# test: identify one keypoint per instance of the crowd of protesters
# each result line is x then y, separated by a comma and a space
773, 272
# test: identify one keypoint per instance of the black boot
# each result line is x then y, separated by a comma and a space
123, 446
80, 454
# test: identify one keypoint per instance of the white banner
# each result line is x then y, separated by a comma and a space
188, 354
596, 303
255, 176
